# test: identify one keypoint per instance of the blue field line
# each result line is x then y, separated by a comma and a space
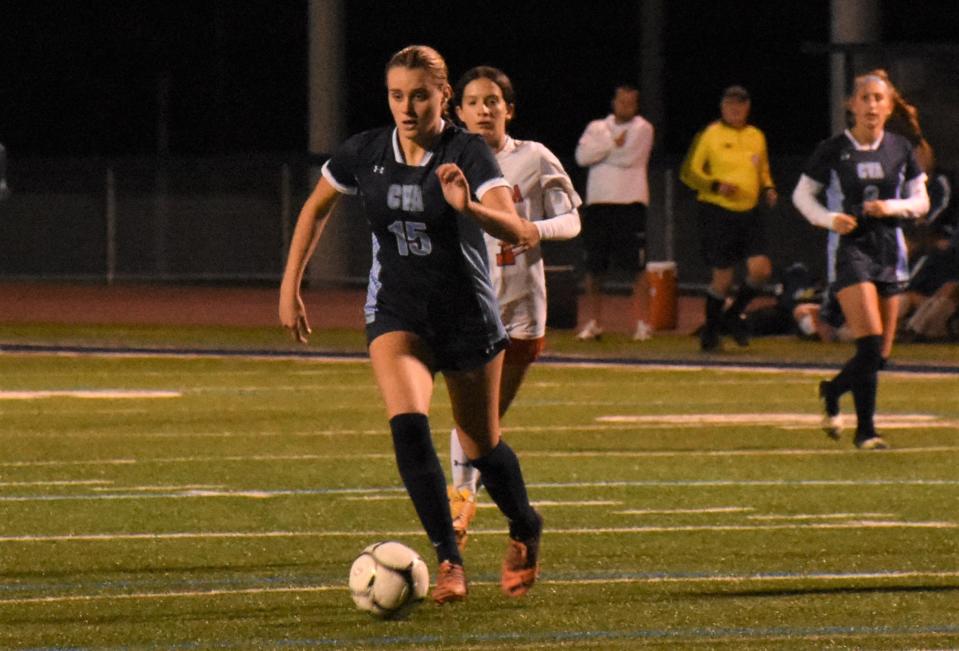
696, 361
557, 637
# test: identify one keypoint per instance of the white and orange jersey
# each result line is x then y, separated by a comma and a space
543, 194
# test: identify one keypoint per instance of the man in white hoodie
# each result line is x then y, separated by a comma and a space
616, 149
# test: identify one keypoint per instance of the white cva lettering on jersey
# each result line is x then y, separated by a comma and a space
870, 170
408, 198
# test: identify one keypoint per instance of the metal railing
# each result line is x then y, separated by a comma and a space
230, 220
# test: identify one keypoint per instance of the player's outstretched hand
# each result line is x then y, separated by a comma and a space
293, 318
456, 189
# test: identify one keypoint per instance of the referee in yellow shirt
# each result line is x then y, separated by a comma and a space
728, 166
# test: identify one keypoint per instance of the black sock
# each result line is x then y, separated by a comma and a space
861, 376
714, 311
865, 362
743, 298
864, 396
503, 480
423, 477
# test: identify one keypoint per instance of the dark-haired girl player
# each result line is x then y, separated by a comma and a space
872, 181
429, 189
543, 194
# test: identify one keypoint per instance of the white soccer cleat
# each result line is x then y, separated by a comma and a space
831, 418
643, 332
590, 332
832, 425
874, 442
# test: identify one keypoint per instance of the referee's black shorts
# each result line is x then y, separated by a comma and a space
614, 235
727, 237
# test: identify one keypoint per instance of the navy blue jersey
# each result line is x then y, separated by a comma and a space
875, 250
429, 266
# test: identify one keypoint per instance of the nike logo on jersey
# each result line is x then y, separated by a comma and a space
405, 197
378, 169
869, 170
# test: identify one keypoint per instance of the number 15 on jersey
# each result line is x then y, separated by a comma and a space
411, 237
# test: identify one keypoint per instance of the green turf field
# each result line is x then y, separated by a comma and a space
217, 503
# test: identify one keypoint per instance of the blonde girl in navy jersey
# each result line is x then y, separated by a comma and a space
428, 189
872, 181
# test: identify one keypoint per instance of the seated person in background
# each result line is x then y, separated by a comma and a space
932, 296
822, 320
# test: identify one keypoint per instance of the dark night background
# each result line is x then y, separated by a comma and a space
81, 78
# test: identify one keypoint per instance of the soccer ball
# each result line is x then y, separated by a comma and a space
388, 580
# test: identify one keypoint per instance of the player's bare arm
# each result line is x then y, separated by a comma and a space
494, 212
306, 235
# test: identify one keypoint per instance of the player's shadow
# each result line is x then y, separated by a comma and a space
837, 590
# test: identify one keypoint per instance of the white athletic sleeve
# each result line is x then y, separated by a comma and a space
560, 200
560, 227
804, 198
916, 202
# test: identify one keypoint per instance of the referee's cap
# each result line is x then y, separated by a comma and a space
737, 93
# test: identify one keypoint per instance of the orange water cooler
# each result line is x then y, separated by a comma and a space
661, 278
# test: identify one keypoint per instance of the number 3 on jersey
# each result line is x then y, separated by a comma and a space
411, 237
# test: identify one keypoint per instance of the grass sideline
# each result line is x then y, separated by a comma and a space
219, 502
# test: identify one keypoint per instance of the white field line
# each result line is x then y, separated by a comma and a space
851, 576
342, 492
402, 497
820, 516
886, 421
140, 596
590, 531
549, 503
61, 482
150, 489
64, 462
723, 579
639, 454
91, 394
174, 354
709, 510
735, 453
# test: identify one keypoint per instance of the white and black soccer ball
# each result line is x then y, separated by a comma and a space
388, 580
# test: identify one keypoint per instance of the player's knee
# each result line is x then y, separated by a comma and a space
760, 270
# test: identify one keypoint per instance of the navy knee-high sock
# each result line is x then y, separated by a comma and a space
503, 480
861, 376
423, 477
866, 361
864, 397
